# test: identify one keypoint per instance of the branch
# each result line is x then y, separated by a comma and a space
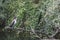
56, 33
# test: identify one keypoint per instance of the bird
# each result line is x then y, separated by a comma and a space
14, 21
11, 25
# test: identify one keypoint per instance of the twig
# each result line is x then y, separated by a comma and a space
52, 36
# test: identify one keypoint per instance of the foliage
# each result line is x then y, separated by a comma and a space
40, 18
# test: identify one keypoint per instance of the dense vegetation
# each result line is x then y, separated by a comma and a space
38, 19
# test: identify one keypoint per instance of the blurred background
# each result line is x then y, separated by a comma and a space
36, 19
